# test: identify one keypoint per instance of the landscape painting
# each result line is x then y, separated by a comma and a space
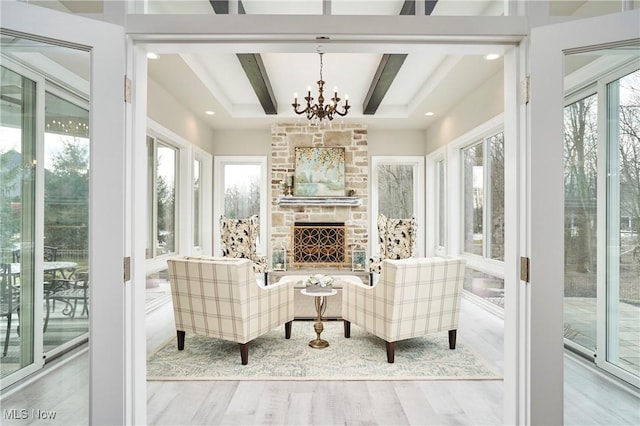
319, 172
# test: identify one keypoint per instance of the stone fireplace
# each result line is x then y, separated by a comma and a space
346, 215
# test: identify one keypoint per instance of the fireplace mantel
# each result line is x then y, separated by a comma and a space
319, 201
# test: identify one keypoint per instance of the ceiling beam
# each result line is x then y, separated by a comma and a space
390, 65
254, 69
252, 65
429, 5
387, 70
220, 7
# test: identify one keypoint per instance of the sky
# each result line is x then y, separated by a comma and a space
53, 143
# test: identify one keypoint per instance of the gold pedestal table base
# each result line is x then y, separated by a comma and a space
321, 305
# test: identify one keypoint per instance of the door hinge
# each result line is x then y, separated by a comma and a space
127, 89
127, 268
525, 90
525, 264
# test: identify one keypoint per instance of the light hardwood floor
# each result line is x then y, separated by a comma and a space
590, 397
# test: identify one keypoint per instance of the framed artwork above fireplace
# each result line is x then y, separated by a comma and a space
319, 172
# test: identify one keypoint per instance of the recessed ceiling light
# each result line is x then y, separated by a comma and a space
210, 113
491, 56
151, 55
429, 114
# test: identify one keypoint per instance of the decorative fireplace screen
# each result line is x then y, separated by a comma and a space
319, 243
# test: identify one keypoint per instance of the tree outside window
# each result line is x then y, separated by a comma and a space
241, 190
483, 197
396, 190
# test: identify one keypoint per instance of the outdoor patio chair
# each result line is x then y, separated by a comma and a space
70, 291
413, 297
220, 297
9, 301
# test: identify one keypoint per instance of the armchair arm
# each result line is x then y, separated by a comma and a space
363, 305
267, 307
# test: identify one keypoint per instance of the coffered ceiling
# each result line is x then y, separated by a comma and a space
386, 89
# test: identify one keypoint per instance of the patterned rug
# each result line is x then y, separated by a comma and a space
361, 357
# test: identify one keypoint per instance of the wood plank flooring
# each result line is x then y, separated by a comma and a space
590, 397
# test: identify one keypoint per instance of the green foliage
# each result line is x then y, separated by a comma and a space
66, 215
10, 173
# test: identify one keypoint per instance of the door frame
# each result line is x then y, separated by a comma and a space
107, 397
544, 235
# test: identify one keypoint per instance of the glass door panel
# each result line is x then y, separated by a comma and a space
44, 202
17, 218
82, 57
623, 222
66, 218
602, 208
580, 207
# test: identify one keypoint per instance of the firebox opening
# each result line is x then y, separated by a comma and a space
319, 243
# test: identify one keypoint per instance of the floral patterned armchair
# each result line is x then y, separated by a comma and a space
238, 240
396, 240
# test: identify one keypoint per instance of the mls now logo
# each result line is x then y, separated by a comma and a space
23, 414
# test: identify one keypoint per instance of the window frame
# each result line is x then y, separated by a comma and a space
220, 161
434, 202
186, 152
606, 221
206, 199
152, 230
455, 179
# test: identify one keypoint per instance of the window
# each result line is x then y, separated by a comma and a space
473, 194
197, 206
441, 205
241, 192
66, 205
580, 212
483, 197
397, 186
602, 211
622, 321
162, 235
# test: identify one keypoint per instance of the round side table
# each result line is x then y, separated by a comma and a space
321, 304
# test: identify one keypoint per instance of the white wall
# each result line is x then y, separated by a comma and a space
484, 103
396, 142
242, 142
258, 142
169, 112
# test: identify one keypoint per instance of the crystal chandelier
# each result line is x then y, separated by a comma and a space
320, 111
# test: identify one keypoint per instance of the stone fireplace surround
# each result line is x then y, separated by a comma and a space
353, 137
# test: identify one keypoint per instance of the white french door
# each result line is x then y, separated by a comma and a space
543, 317
55, 32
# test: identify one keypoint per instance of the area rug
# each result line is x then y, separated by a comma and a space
361, 357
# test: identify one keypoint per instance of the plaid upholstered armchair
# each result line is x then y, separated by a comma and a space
219, 297
396, 240
238, 240
413, 297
